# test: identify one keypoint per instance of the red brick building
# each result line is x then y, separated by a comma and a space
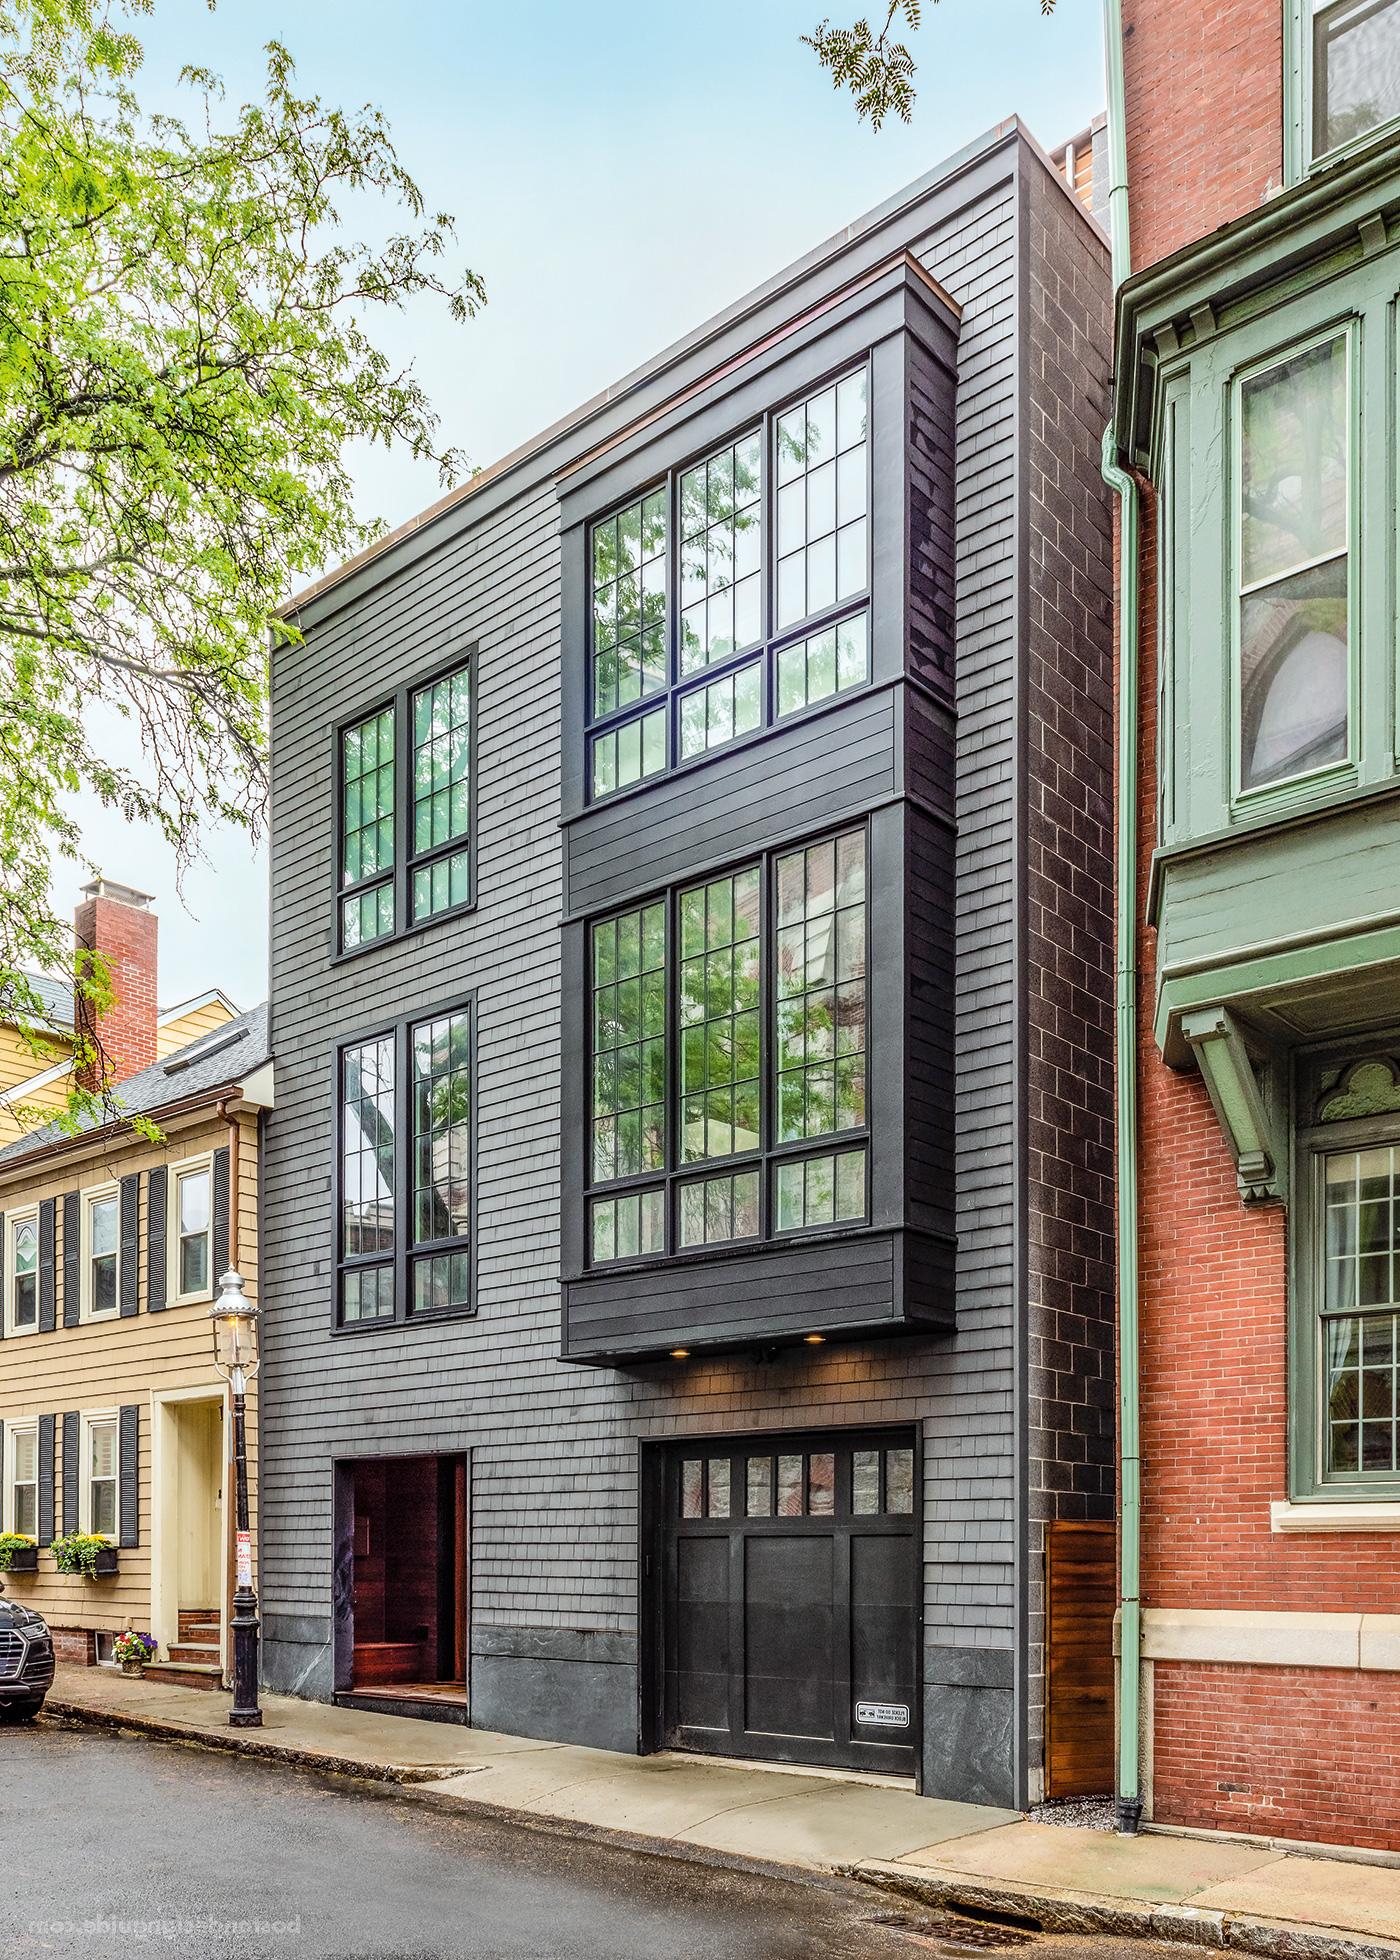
1256, 413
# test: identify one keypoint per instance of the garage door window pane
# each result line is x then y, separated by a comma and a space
693, 1488
821, 1484
718, 1486
899, 1481
865, 1483
789, 1486
759, 1487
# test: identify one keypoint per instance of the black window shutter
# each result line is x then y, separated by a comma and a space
128, 1467
71, 1451
155, 1240
48, 1220
46, 1435
130, 1213
72, 1299
220, 1215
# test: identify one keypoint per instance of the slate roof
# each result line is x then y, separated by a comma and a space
55, 998
228, 1054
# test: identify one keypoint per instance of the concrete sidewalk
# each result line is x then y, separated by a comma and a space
1211, 1892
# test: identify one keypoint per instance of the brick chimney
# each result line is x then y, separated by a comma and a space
119, 923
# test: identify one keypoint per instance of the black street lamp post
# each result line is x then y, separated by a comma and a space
235, 1323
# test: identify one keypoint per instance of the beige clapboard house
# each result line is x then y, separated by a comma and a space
112, 1417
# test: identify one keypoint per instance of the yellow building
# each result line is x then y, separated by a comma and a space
113, 1421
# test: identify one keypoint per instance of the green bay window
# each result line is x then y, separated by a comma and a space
680, 589
728, 1034
405, 1176
406, 811
1294, 667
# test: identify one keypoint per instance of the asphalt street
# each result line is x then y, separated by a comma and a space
118, 1846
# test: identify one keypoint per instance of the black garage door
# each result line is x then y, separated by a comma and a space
790, 1610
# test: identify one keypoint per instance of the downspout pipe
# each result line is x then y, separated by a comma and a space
1124, 487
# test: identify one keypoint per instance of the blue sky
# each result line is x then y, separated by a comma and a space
617, 173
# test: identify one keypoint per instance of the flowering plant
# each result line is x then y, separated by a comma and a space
10, 1543
78, 1552
131, 1646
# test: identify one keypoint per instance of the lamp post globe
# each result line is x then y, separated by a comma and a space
234, 1321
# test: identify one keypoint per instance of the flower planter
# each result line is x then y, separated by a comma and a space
134, 1668
106, 1567
26, 1559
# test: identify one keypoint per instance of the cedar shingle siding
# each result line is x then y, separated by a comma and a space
555, 1447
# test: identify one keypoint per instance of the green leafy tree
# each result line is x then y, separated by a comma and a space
185, 355
877, 69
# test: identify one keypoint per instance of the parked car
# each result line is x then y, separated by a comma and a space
26, 1661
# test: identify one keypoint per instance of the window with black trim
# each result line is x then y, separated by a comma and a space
405, 811
404, 1172
728, 1038
732, 594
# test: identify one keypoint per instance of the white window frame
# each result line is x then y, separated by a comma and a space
1299, 157
13, 1432
12, 1219
95, 1194
174, 1297
88, 1420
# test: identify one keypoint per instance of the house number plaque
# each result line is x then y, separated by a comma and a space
882, 1715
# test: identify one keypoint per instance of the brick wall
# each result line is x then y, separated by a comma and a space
1203, 90
124, 933
1269, 1750
72, 1646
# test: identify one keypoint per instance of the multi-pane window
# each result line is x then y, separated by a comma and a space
367, 1179
193, 1230
442, 1166
821, 988
406, 810
629, 604
722, 554
826, 663
629, 1044
102, 1254
792, 493
442, 792
24, 1268
23, 1514
729, 1030
101, 1471
719, 1001
1355, 56
1294, 662
367, 830
722, 710
1361, 1310
406, 1186
822, 501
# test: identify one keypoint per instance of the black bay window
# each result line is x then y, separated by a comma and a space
733, 594
404, 810
404, 1168
728, 1057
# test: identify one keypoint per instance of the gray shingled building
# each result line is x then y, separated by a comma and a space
687, 1206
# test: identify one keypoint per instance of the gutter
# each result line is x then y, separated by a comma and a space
1124, 487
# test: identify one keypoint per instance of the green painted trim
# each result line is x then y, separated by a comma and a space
1220, 1053
1295, 91
1272, 796
1268, 972
1306, 1482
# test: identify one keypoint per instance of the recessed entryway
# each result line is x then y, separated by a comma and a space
189, 1564
401, 1584
785, 1571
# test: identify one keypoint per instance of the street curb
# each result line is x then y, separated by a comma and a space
248, 1742
1075, 1912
